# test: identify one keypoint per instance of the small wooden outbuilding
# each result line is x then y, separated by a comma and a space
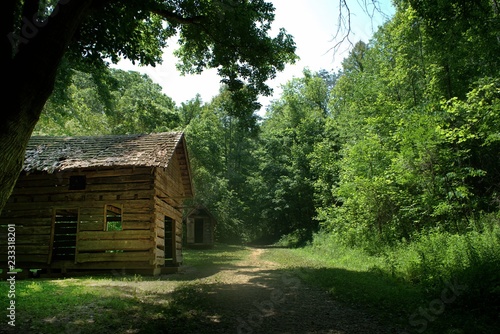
104, 202
200, 227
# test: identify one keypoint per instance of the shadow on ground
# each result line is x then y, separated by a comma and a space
218, 294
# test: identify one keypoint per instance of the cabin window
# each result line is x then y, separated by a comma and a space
77, 182
113, 218
65, 232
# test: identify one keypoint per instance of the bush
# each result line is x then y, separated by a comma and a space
297, 238
435, 259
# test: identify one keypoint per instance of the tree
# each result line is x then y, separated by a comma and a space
131, 103
230, 35
74, 110
219, 147
190, 110
140, 106
414, 113
284, 182
461, 40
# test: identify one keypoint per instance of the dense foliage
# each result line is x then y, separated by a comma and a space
132, 104
416, 120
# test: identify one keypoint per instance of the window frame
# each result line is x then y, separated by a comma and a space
118, 211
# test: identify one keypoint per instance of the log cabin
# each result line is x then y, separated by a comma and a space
199, 228
110, 203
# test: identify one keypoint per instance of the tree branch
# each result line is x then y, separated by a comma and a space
173, 17
344, 29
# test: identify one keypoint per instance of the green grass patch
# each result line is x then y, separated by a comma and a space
441, 283
348, 276
219, 255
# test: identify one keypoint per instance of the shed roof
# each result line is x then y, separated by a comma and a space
201, 210
52, 154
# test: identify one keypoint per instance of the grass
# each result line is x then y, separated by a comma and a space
91, 305
219, 256
121, 303
442, 284
348, 277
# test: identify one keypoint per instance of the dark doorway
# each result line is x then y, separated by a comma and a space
169, 240
198, 231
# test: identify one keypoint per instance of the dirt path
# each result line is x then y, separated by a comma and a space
257, 296
227, 293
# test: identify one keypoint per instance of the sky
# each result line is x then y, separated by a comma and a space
313, 25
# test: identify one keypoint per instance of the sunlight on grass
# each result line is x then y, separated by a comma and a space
220, 254
403, 281
348, 276
99, 304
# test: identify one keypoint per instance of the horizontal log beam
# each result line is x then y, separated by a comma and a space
103, 245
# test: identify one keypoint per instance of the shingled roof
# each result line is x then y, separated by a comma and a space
52, 154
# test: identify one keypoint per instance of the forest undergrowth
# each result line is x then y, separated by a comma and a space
437, 283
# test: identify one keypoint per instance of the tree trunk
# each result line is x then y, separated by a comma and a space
29, 74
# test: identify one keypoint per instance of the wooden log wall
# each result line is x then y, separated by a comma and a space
170, 193
37, 197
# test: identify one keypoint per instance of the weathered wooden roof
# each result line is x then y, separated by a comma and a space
52, 154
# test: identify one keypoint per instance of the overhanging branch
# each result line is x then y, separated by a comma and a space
173, 17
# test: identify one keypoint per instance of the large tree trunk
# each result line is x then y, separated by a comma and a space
29, 71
